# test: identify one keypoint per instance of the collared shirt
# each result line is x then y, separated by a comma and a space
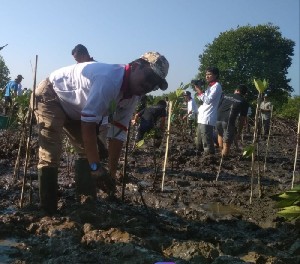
207, 112
192, 109
11, 86
90, 91
266, 105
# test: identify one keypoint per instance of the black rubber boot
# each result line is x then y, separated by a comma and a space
84, 183
48, 188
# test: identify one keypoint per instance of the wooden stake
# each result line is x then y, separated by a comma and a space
29, 138
125, 163
255, 140
296, 153
268, 140
167, 146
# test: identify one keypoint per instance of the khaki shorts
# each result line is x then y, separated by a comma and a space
53, 124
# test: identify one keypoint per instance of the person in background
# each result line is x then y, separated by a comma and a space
207, 112
149, 117
81, 54
142, 103
265, 112
192, 111
74, 99
231, 106
11, 89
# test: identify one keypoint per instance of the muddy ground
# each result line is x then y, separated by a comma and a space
195, 219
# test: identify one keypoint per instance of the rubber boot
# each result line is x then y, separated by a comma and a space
84, 183
48, 188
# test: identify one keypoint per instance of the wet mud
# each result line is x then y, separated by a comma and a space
189, 218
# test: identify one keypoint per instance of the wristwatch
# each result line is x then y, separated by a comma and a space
95, 166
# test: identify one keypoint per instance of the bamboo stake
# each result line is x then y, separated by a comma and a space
125, 163
296, 153
258, 169
29, 139
17, 164
268, 140
255, 137
167, 145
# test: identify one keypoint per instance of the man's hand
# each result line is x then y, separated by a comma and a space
103, 180
198, 90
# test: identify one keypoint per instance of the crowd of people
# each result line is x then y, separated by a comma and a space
93, 104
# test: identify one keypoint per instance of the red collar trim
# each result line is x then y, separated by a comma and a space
211, 83
125, 84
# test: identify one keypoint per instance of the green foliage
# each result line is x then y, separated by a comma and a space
291, 109
260, 86
251, 52
4, 72
154, 133
248, 151
289, 203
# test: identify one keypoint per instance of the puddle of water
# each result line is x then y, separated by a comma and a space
217, 209
8, 210
6, 248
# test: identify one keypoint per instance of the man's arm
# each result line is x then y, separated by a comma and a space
89, 137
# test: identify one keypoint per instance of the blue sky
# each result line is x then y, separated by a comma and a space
119, 31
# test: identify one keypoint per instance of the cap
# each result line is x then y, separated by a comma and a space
158, 63
20, 77
187, 93
160, 67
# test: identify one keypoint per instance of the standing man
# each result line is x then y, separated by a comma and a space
11, 89
74, 99
231, 106
207, 112
265, 110
192, 111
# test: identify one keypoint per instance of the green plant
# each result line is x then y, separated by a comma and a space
289, 203
291, 109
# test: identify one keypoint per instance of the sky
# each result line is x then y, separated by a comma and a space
120, 31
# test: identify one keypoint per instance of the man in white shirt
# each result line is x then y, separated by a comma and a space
207, 112
74, 99
265, 112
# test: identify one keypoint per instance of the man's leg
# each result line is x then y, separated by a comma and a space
50, 119
207, 138
198, 139
229, 134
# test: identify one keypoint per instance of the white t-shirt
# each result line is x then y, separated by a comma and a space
192, 109
88, 90
207, 112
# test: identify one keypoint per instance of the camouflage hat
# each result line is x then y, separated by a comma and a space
158, 63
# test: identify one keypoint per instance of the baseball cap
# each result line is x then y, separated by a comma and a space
20, 77
187, 93
159, 65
